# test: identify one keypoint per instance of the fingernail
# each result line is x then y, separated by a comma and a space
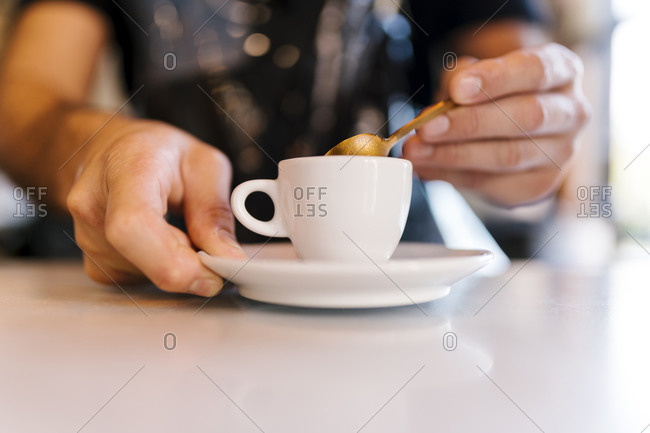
468, 87
205, 287
437, 126
230, 244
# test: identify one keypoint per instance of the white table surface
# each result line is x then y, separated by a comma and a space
553, 351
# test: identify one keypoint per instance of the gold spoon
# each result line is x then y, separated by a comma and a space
374, 145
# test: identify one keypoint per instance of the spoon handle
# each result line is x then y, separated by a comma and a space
425, 115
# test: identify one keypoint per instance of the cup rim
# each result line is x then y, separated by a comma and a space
345, 159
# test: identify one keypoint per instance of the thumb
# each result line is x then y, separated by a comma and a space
210, 222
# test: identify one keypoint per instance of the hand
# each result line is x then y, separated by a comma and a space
126, 183
515, 132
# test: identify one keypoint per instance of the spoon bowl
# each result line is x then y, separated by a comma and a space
373, 145
362, 144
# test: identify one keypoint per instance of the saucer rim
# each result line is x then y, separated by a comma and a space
325, 284
461, 253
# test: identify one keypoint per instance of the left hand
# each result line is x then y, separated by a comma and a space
515, 131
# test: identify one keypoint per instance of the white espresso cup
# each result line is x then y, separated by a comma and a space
334, 207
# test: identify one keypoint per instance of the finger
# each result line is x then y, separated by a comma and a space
102, 262
206, 175
510, 117
495, 156
135, 227
527, 70
87, 205
446, 75
509, 189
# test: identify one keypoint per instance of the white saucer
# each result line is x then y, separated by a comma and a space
417, 273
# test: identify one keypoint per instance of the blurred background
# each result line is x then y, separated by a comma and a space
607, 34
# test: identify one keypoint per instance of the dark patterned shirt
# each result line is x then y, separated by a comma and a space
269, 80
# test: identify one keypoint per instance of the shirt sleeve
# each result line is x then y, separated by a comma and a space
106, 7
439, 18
117, 20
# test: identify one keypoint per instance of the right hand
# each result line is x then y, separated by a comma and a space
126, 182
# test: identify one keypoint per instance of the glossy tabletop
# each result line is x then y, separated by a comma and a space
538, 349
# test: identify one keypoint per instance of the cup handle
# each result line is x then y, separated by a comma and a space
272, 228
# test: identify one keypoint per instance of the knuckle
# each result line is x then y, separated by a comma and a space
78, 203
135, 156
465, 61
222, 161
573, 60
544, 189
493, 70
567, 150
170, 279
214, 155
545, 185
216, 214
222, 213
536, 115
544, 68
558, 59
583, 111
448, 154
120, 226
469, 124
424, 133
220, 157
511, 156
84, 207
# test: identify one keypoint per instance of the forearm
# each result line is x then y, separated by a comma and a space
44, 138
45, 75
